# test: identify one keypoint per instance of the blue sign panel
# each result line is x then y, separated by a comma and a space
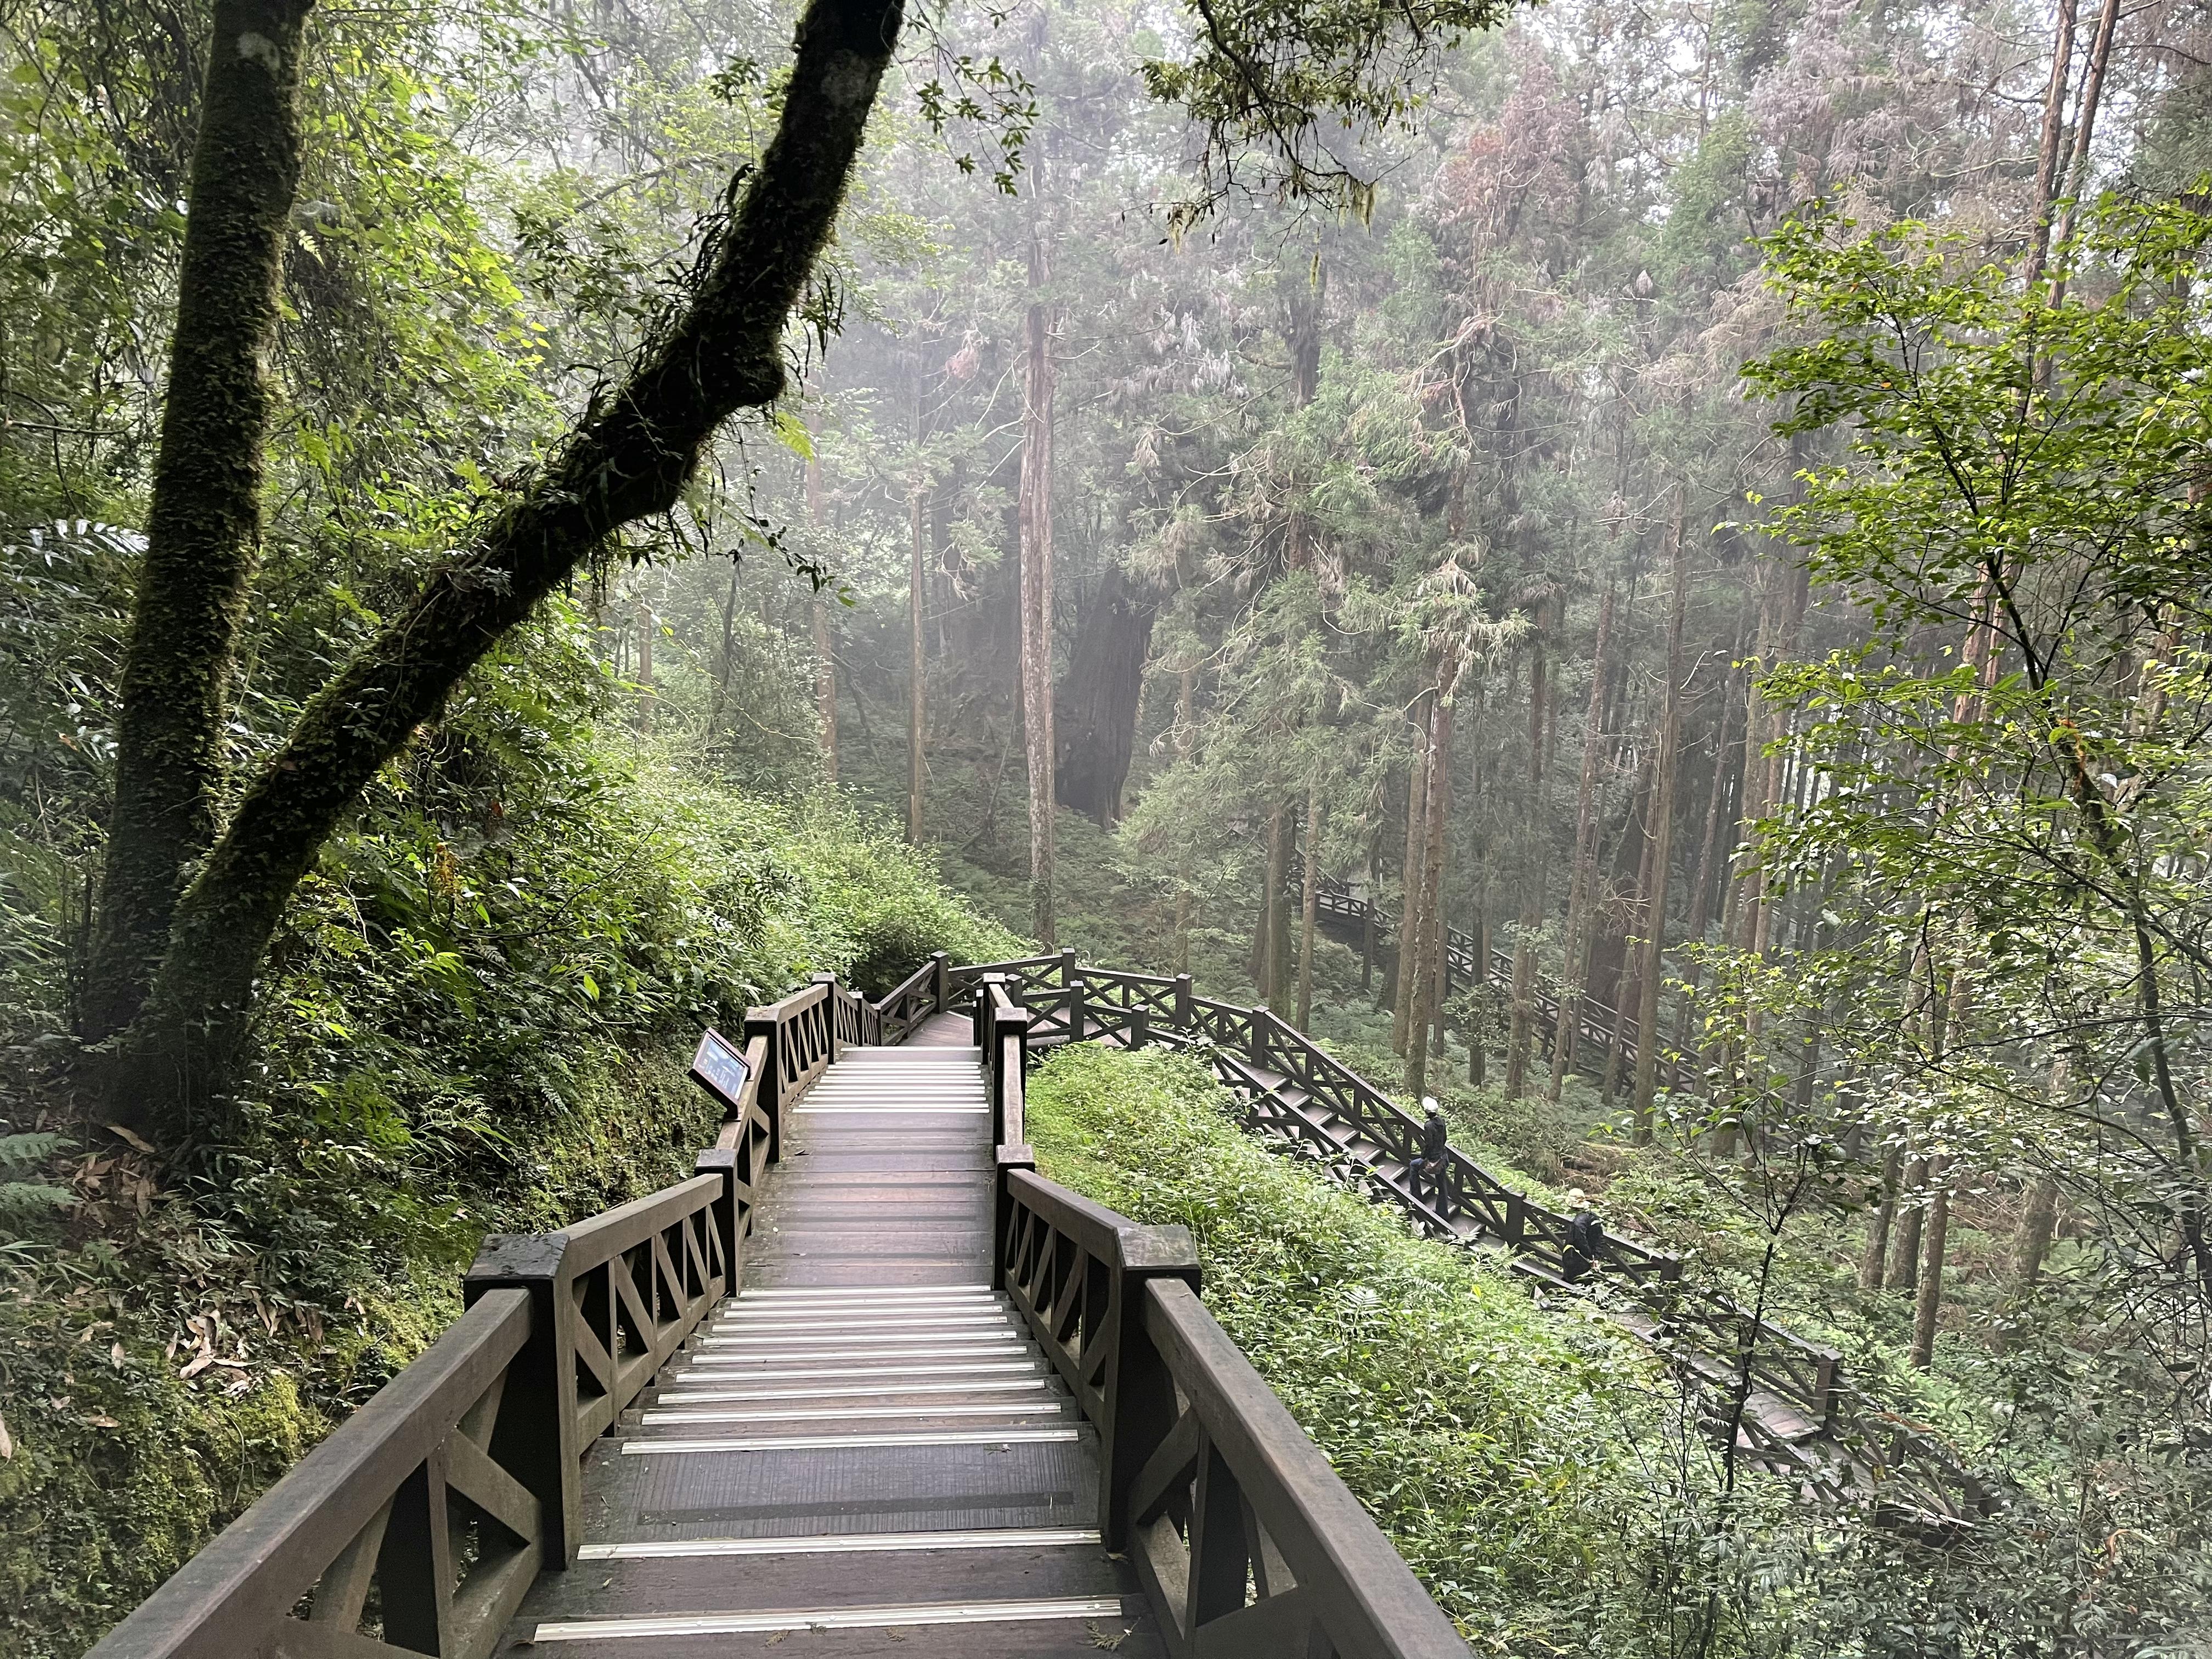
720, 1069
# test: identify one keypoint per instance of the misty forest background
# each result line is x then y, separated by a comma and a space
1704, 500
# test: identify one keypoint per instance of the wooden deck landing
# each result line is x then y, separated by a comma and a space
863, 1454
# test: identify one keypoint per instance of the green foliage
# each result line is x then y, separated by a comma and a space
1495, 1445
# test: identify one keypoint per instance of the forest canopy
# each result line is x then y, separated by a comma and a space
1638, 571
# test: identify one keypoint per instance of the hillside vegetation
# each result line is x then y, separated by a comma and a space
478, 1019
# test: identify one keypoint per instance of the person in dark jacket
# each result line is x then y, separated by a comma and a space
1585, 1242
1429, 1160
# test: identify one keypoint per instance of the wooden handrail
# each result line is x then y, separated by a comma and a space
1245, 1538
1265, 1061
367, 1510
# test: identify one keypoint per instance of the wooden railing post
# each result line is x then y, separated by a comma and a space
1257, 1051
940, 981
986, 1020
535, 1437
1140, 1392
1140, 1027
759, 1023
1183, 1010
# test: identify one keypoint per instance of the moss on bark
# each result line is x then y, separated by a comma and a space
203, 529
629, 458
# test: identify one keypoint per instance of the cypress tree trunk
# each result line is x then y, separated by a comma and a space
1537, 840
1429, 947
204, 524
825, 664
1928, 1304
630, 457
1310, 907
1367, 914
917, 687
1708, 850
1417, 813
1186, 739
1271, 974
1662, 837
1575, 981
1035, 511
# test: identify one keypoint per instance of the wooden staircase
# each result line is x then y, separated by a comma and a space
863, 1444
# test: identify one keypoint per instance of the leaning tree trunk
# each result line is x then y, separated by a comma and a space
1035, 508
629, 458
204, 524
1668, 763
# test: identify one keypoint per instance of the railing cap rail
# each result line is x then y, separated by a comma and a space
252, 1573
1104, 1233
1367, 1597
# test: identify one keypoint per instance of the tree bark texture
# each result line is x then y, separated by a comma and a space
204, 524
1094, 712
1668, 763
1536, 837
1409, 903
1035, 511
1905, 1248
1574, 980
1271, 974
1873, 1259
1309, 906
630, 456
825, 664
825, 690
2031, 1242
1927, 1304
1427, 959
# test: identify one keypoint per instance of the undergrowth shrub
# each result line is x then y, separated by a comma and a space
476, 1018
1495, 1444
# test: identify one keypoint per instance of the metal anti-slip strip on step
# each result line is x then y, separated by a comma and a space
770, 1292
725, 1373
858, 1543
848, 1413
835, 1442
915, 1613
680, 1395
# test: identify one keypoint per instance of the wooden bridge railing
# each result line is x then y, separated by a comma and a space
432, 1508
1595, 1024
1247, 1544
1288, 1085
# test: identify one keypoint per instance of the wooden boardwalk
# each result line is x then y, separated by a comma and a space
862, 1454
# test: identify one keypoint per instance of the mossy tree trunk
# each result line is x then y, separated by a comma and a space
630, 456
203, 525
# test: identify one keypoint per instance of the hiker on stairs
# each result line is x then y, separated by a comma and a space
1430, 1161
1585, 1238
